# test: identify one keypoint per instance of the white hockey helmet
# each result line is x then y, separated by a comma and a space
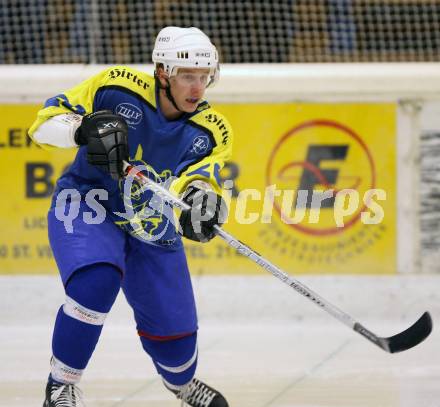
177, 47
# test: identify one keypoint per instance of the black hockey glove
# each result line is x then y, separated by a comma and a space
106, 137
207, 209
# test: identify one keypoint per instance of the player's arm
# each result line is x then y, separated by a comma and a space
67, 121
61, 116
200, 187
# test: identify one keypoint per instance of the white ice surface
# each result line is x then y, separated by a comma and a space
260, 343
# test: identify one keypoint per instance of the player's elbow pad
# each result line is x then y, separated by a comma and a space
59, 131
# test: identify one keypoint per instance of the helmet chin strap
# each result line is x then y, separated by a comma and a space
168, 92
171, 97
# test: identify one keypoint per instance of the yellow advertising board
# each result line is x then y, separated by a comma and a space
312, 188
28, 176
279, 149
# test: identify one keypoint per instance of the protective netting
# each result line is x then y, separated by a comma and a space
120, 31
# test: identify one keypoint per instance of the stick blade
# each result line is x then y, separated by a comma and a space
410, 337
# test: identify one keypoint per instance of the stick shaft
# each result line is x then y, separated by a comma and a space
285, 278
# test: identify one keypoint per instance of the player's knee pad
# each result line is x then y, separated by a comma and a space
90, 293
175, 359
93, 289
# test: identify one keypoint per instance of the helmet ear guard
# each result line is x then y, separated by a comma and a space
215, 77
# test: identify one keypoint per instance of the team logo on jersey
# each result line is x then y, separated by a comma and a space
131, 113
146, 216
200, 145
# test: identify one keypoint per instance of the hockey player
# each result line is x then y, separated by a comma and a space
164, 124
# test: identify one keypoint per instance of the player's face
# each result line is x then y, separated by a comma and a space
188, 87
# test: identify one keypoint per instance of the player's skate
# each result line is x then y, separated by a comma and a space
199, 394
63, 395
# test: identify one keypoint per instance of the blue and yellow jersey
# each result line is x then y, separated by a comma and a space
193, 147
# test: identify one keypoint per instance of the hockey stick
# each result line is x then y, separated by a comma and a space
404, 340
